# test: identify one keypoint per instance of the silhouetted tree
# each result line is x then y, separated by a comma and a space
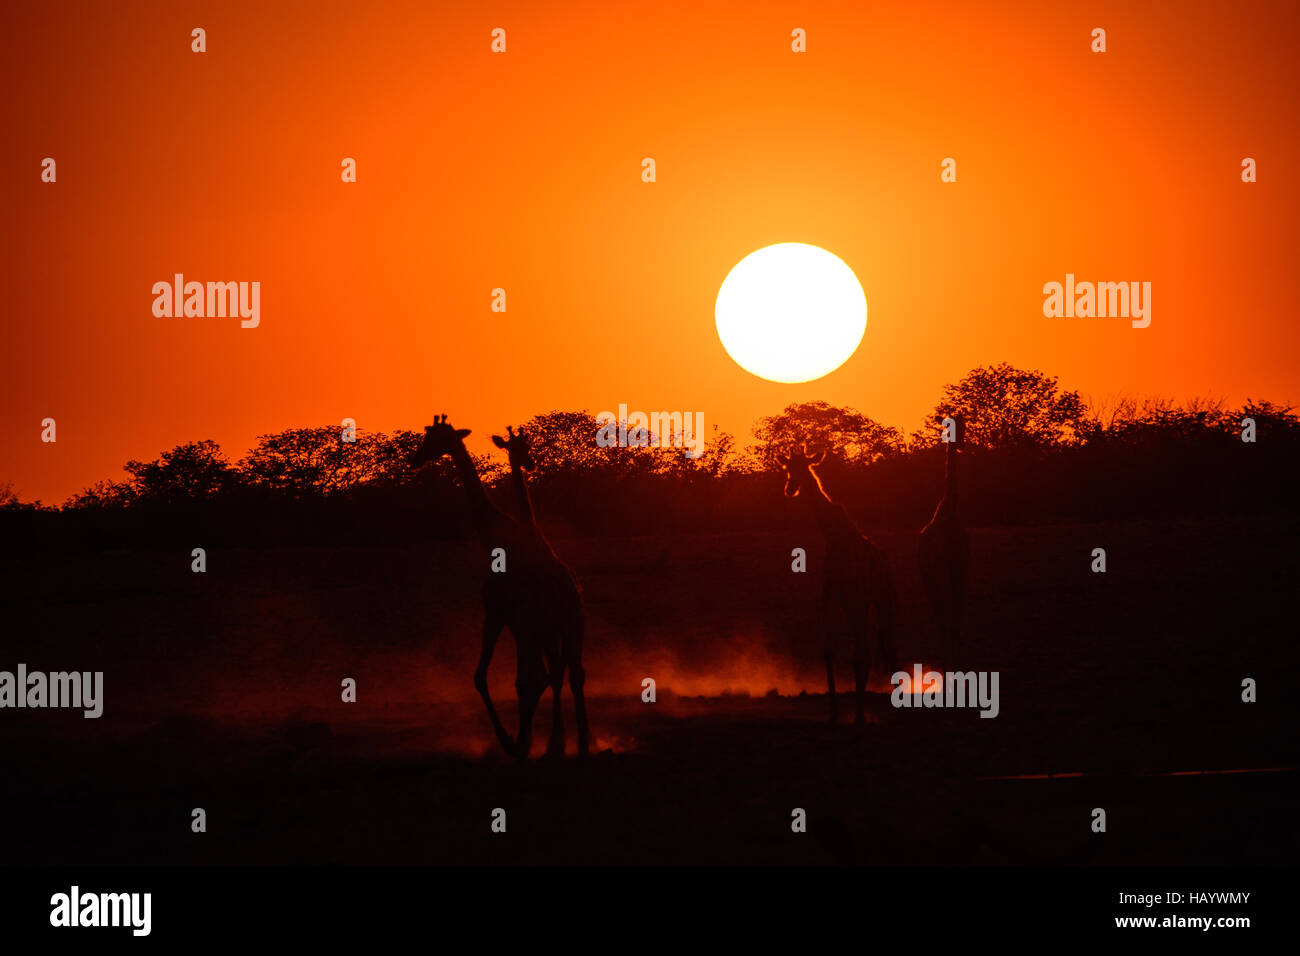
188, 472
317, 461
1002, 407
565, 443
390, 460
1159, 422
845, 434
718, 457
102, 495
1271, 421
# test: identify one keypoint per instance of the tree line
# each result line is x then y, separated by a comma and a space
1034, 451
1001, 407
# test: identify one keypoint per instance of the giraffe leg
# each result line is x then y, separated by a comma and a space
948, 631
861, 667
555, 748
885, 632
572, 651
830, 680
866, 615
949, 641
954, 624
492, 628
577, 678
828, 650
530, 684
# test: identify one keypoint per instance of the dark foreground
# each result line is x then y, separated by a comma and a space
221, 692
706, 782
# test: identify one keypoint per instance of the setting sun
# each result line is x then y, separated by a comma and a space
791, 312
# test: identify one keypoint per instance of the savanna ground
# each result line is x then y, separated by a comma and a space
222, 691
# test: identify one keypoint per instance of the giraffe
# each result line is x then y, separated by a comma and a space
856, 578
944, 554
519, 453
537, 597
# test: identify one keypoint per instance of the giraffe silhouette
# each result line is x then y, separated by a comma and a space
856, 580
519, 452
944, 556
537, 596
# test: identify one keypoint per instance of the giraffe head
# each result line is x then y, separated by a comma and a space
799, 474
517, 449
439, 439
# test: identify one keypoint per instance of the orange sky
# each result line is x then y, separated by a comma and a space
522, 171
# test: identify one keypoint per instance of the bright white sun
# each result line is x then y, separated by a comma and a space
791, 312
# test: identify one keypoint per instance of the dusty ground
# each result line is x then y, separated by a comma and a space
222, 692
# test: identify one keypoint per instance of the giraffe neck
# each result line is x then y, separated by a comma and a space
829, 516
481, 511
950, 476
521, 492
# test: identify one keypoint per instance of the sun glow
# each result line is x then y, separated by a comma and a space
791, 312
